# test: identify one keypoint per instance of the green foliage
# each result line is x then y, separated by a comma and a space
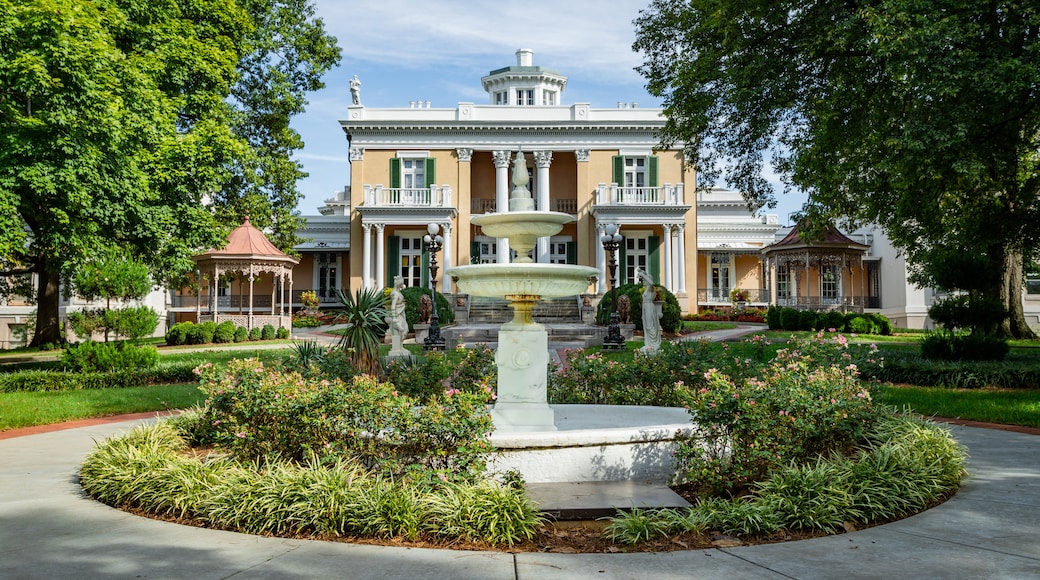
807, 402
241, 334
102, 357
471, 370
969, 347
773, 316
112, 276
44, 380
132, 322
635, 526
789, 319
146, 469
177, 334
445, 313
201, 333
671, 317
365, 314
282, 333
267, 332
908, 368
806, 320
259, 413
224, 333
254, 333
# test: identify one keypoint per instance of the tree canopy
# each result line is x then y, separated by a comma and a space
921, 116
134, 124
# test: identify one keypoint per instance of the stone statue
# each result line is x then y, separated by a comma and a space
624, 309
398, 324
425, 309
355, 90
651, 315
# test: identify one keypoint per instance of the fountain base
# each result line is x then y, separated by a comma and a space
522, 359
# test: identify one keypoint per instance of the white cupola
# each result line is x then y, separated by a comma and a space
524, 85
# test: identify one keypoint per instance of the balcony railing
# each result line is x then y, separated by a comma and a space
433, 196
241, 301
721, 296
563, 205
852, 303
614, 194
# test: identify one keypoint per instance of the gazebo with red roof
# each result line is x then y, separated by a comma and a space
249, 254
791, 263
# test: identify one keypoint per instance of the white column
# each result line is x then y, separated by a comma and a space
682, 258
601, 261
366, 257
446, 258
380, 281
666, 272
543, 159
502, 198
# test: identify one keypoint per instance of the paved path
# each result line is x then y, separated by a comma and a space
49, 529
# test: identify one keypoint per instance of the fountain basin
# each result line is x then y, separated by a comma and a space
522, 228
536, 280
596, 443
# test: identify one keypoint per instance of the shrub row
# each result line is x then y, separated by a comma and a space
908, 368
726, 314
93, 356
784, 318
37, 380
671, 313
225, 332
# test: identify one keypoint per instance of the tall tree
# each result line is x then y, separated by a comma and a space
117, 130
922, 116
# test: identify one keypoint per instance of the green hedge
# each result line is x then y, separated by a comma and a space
671, 317
910, 368
36, 380
445, 314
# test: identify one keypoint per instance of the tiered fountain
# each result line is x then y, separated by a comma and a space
564, 442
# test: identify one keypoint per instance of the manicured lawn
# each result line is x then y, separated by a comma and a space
1017, 407
25, 409
706, 325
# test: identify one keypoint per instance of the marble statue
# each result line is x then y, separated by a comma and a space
651, 315
355, 90
398, 323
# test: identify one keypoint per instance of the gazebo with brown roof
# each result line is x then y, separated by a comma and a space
249, 253
834, 252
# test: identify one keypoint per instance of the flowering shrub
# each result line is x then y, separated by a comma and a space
309, 300
256, 413
470, 370
806, 403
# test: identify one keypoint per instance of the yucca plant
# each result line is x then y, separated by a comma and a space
365, 315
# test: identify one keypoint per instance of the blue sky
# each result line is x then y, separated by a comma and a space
407, 50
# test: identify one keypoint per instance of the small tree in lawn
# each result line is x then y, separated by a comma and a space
113, 276
364, 313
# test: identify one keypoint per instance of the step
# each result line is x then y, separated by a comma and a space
587, 500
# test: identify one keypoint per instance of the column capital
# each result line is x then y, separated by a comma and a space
581, 155
366, 226
501, 159
543, 158
357, 153
379, 227
465, 154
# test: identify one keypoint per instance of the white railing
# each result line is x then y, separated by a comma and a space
433, 196
614, 194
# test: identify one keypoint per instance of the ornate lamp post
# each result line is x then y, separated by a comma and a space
611, 242
433, 241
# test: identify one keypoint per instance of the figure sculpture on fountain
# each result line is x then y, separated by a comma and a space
651, 315
520, 199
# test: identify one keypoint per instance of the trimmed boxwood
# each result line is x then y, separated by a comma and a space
671, 318
37, 380
445, 314
241, 334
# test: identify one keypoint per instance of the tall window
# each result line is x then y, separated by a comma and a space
829, 282
635, 172
783, 281
557, 252
720, 286
326, 275
413, 173
548, 97
411, 261
488, 250
501, 97
635, 257
525, 97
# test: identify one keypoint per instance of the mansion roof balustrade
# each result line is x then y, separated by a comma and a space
614, 194
435, 196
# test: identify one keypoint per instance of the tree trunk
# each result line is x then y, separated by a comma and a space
1014, 326
48, 294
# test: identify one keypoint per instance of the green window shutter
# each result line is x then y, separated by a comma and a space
395, 172
393, 259
654, 259
619, 170
621, 265
425, 269
430, 170
651, 167
572, 252
474, 252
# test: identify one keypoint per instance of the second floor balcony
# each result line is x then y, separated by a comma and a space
433, 196
664, 195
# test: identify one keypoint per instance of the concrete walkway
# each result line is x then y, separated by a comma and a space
50, 529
